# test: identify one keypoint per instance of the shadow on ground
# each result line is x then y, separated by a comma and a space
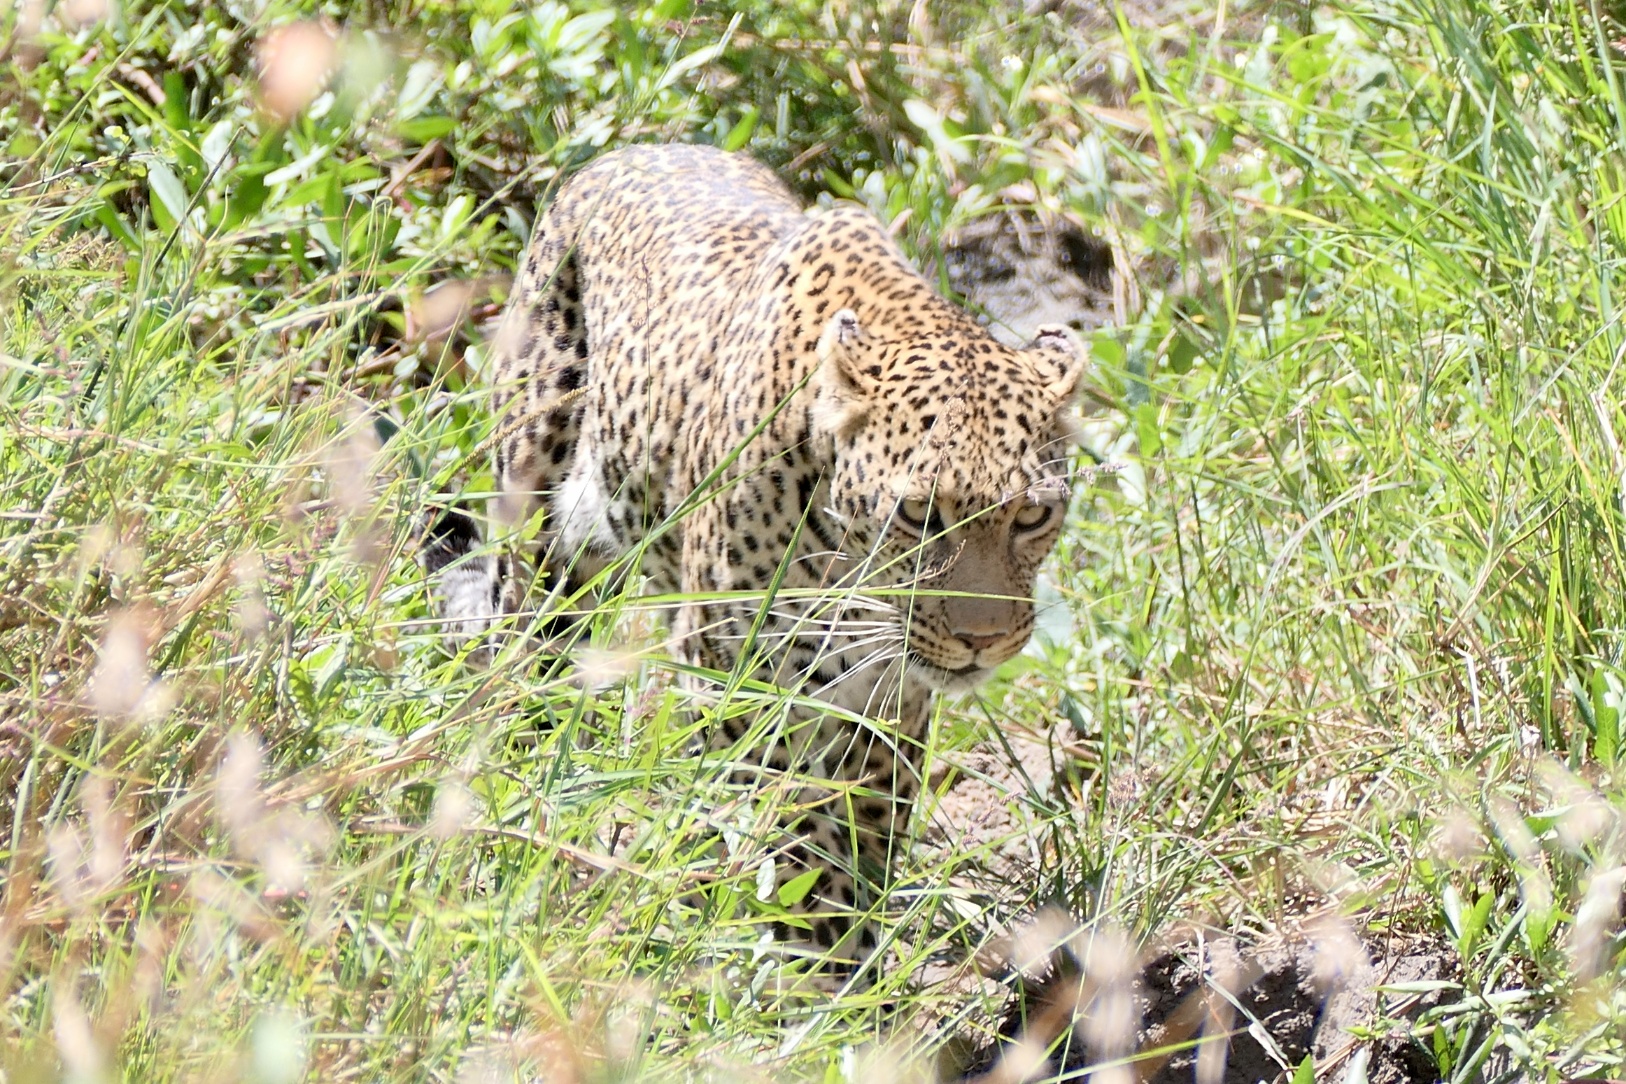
1221, 1011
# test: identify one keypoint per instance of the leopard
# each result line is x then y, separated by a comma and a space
767, 413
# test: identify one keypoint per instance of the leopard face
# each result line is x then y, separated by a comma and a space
949, 469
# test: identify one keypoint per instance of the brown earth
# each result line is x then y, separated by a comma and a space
1228, 1012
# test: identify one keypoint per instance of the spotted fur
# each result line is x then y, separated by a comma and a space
774, 404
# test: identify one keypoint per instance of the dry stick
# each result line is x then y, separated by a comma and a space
406, 171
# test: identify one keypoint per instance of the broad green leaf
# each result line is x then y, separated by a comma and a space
694, 60
168, 190
1605, 717
1107, 351
1146, 429
765, 880
796, 889
739, 135
924, 115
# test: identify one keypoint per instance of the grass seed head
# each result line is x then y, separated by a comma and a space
78, 14
1107, 956
278, 1048
1024, 1060
1111, 1017
1597, 923
598, 669
249, 608
30, 17
122, 688
1512, 830
108, 831
65, 851
1457, 838
891, 1063
1337, 953
1033, 944
1584, 815
238, 801
296, 62
351, 465
454, 805
1225, 983
75, 1037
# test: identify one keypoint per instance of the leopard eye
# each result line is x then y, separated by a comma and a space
1030, 517
920, 516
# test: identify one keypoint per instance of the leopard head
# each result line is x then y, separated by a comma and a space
949, 469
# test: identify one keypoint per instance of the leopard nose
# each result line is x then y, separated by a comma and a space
979, 641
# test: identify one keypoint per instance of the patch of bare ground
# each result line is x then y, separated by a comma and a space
1226, 1011
994, 810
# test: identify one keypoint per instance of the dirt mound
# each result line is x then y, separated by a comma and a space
1225, 1012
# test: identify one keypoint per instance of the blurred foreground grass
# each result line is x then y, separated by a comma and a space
1340, 631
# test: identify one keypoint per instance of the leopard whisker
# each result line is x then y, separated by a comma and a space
886, 654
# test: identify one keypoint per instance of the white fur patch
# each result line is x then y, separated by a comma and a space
580, 506
465, 596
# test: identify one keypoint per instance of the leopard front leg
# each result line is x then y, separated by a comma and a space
540, 368
848, 829
867, 831
855, 835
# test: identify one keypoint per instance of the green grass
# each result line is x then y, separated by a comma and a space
1342, 628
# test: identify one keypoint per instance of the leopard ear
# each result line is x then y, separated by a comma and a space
1062, 359
843, 396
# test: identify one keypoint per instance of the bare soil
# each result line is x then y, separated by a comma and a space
1228, 1012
